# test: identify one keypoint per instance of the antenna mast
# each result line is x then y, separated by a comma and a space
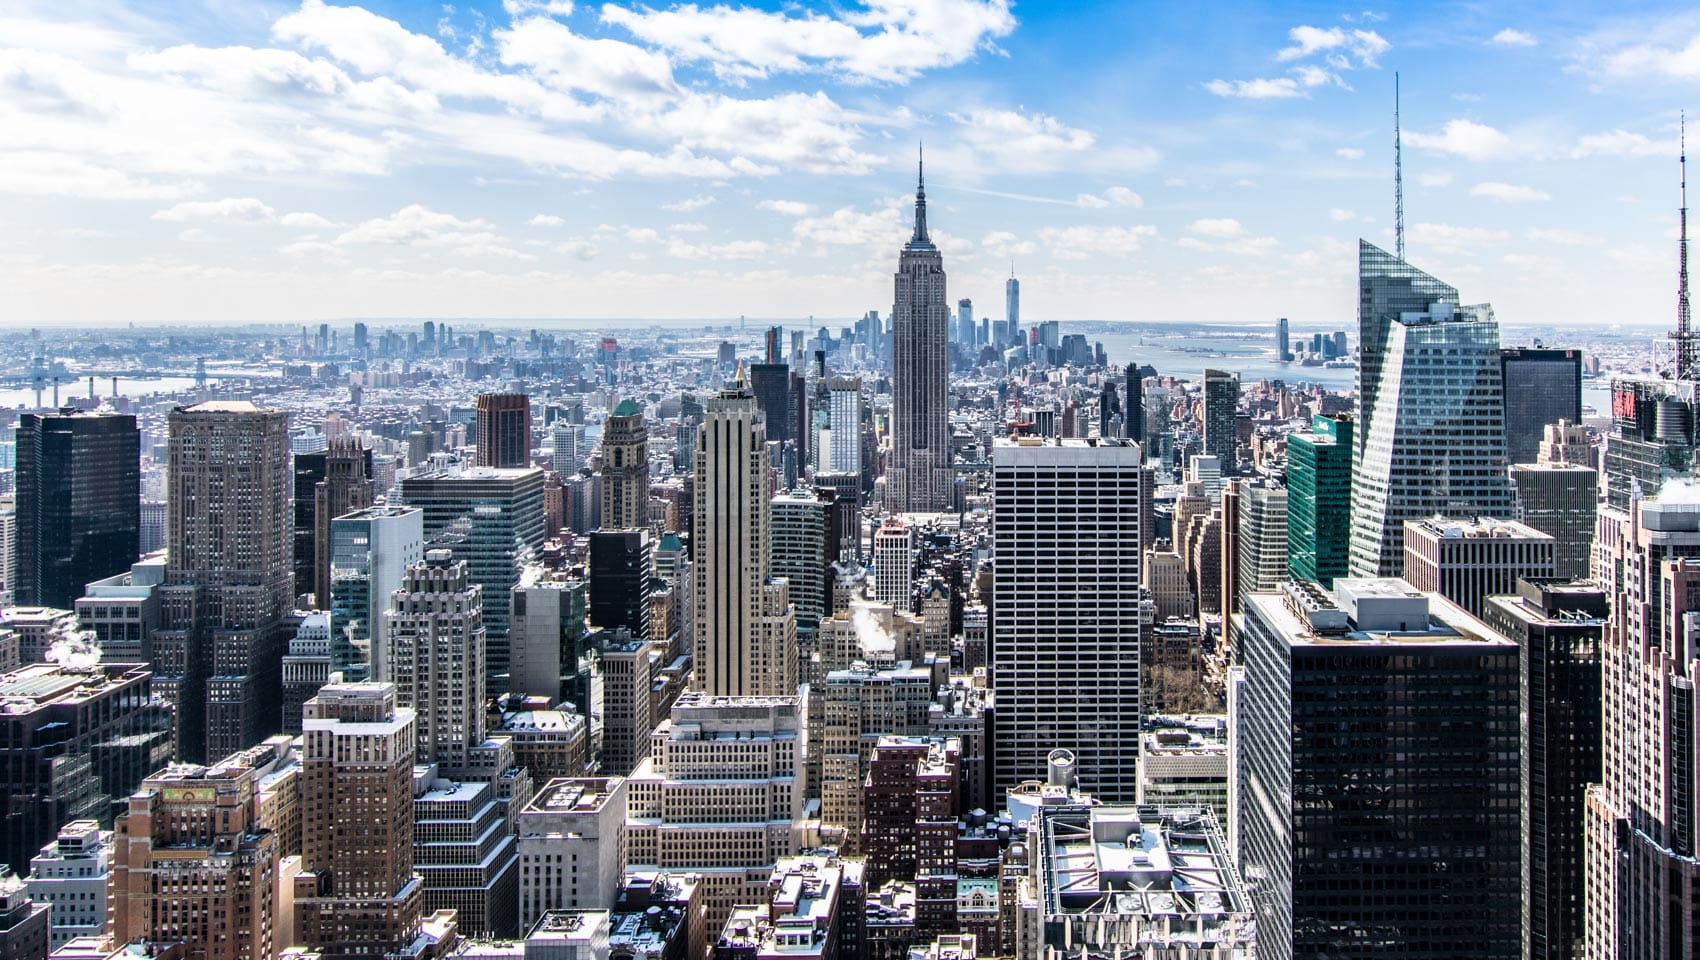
1684, 335
1398, 179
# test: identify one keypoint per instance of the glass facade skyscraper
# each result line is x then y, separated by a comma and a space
1319, 500
78, 503
1541, 387
1387, 287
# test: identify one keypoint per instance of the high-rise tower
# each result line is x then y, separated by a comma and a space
625, 469
504, 430
1221, 419
435, 632
745, 632
78, 503
347, 487
1011, 307
920, 479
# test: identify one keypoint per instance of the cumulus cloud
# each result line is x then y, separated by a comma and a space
688, 204
1508, 192
1464, 138
228, 210
1559, 236
1654, 60
1510, 37
1341, 216
1349, 153
1363, 46
544, 220
1081, 243
1003, 244
1341, 50
1446, 238
1113, 197
1265, 88
1623, 143
311, 221
1225, 235
788, 208
888, 41
417, 225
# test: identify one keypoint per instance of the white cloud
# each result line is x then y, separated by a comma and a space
788, 208
598, 67
577, 249
1434, 179
1622, 143
228, 210
732, 250
1559, 236
883, 230
1225, 235
686, 227
544, 220
1512, 38
1081, 243
688, 204
1508, 192
1002, 244
1653, 60
1219, 227
1446, 238
1364, 45
1349, 153
1017, 141
304, 219
888, 41
1341, 216
419, 226
1464, 138
1113, 197
1267, 88
643, 235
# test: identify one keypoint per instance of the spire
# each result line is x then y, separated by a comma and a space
921, 199
1684, 335
1398, 179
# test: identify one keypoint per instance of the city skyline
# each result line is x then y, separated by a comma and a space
294, 163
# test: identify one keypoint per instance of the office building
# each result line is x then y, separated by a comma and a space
228, 583
813, 909
629, 698
357, 893
435, 627
567, 451
1135, 880
346, 487
625, 469
1262, 536
191, 864
69, 875
1436, 443
919, 478
1542, 387
504, 430
859, 705
1011, 308
1383, 721
1388, 288
123, 611
1065, 641
74, 736
1133, 404
24, 929
1562, 501
894, 563
720, 795
493, 519
78, 502
1319, 500
1559, 627
621, 571
1283, 342
1467, 561
371, 551
1183, 763
1641, 867
804, 542
572, 847
844, 451
551, 653
1568, 442
306, 667
771, 385
745, 632
1221, 419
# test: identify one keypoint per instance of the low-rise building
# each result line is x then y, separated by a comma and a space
70, 875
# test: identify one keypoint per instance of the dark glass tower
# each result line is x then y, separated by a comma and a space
1133, 410
1319, 500
78, 502
1541, 387
1377, 733
620, 579
1221, 419
1558, 627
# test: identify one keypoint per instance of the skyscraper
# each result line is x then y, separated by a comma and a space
919, 479
1387, 288
621, 567
357, 894
1065, 641
844, 453
493, 519
1436, 441
625, 469
1559, 628
965, 323
78, 503
371, 551
346, 487
1319, 500
1133, 405
771, 385
1383, 721
228, 582
745, 633
435, 629
1541, 387
1011, 307
504, 430
1283, 343
1560, 499
804, 542
1470, 559
1221, 419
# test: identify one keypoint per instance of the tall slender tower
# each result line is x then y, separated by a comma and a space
1684, 334
504, 430
920, 479
1011, 306
435, 631
79, 506
745, 632
347, 487
625, 469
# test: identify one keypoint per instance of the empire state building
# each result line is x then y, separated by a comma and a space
919, 478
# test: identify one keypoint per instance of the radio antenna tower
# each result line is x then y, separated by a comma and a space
1684, 335
1398, 179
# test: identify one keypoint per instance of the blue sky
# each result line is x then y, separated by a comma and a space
232, 161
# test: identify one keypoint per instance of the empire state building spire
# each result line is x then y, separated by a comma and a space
919, 238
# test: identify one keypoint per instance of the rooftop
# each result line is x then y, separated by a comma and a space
1380, 610
582, 794
1474, 528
